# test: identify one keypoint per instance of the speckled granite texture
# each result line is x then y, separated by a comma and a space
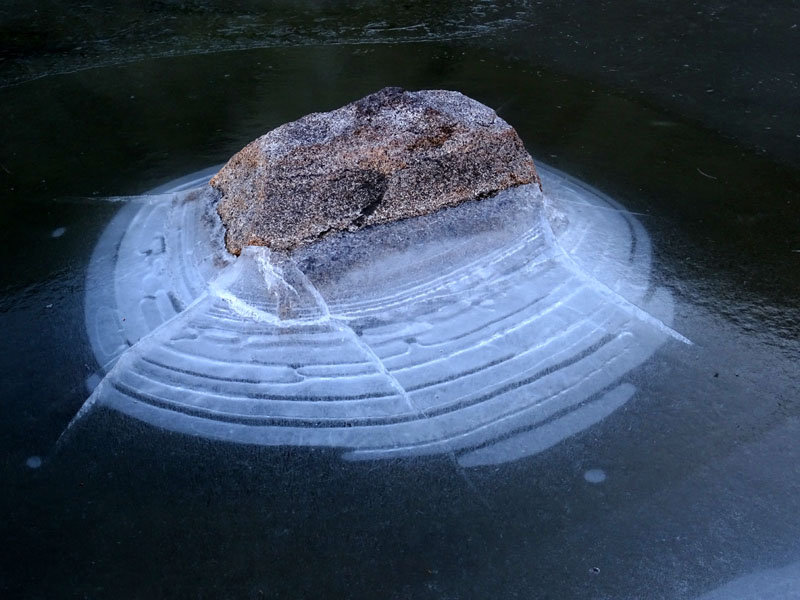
391, 155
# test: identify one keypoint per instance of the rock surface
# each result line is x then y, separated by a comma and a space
391, 155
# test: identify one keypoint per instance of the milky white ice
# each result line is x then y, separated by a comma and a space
489, 331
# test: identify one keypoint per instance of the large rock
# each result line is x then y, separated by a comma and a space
391, 155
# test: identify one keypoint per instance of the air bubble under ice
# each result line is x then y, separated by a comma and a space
490, 331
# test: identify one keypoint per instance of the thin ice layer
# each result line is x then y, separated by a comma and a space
480, 330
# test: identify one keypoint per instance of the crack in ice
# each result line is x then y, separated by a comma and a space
485, 346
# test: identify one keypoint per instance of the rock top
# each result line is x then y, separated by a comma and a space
391, 155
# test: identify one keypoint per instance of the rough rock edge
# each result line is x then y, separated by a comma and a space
388, 156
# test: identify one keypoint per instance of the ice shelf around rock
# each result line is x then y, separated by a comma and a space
391, 155
489, 331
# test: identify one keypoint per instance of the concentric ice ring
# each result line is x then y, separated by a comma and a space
491, 330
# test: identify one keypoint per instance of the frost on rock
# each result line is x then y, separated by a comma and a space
490, 330
391, 155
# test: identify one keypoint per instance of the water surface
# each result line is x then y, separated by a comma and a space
692, 485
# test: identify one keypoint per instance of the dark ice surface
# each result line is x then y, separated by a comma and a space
684, 113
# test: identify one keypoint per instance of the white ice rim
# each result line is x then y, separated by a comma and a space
491, 347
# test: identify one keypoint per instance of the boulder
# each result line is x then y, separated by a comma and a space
391, 155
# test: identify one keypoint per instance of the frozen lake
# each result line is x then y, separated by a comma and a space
671, 470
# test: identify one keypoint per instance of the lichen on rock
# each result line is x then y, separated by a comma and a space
391, 155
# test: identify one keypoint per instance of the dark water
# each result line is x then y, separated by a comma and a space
702, 479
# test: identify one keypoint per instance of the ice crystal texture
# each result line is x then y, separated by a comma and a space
489, 331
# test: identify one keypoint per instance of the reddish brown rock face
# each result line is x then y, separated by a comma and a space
391, 155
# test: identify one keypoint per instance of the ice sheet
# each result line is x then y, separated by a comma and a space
490, 331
